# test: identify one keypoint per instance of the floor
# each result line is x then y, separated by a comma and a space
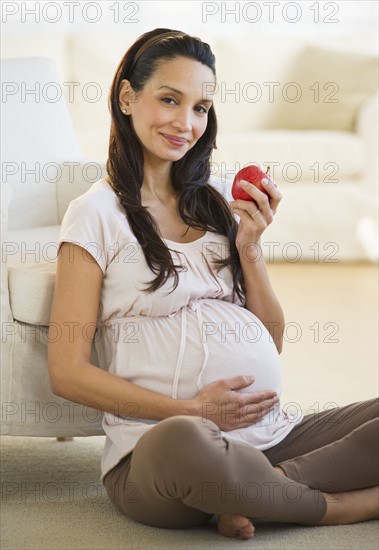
330, 353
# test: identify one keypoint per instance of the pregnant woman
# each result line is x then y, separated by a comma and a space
164, 272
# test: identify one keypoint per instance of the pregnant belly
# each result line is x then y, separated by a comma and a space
238, 344
180, 354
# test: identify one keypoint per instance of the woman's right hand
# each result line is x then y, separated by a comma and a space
230, 409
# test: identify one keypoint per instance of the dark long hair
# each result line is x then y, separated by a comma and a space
207, 208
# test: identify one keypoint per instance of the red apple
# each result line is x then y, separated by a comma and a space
252, 174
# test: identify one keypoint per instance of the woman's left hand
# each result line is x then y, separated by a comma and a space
254, 219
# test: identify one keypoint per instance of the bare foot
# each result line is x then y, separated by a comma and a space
239, 527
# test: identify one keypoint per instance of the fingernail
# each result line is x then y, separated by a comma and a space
243, 183
265, 181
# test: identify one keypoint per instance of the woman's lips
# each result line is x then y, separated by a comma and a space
175, 140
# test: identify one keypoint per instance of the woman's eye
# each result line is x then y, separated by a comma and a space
169, 100
201, 109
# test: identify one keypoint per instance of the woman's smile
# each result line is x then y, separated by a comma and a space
175, 140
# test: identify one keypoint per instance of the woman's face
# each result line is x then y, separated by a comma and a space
170, 113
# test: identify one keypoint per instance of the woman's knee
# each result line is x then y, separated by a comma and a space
181, 433
368, 410
375, 407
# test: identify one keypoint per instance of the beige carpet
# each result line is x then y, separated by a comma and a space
51, 494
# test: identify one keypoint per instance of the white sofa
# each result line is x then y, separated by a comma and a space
318, 221
311, 113
39, 135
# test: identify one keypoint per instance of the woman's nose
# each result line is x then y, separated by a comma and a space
183, 120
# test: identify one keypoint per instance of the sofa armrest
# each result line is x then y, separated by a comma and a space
367, 129
75, 179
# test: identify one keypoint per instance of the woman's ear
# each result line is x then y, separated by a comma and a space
126, 97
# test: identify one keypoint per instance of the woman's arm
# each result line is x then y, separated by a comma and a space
260, 297
72, 376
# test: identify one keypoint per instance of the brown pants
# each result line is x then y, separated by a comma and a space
182, 471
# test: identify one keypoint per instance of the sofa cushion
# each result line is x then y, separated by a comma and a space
325, 89
31, 288
32, 246
294, 156
31, 258
246, 70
